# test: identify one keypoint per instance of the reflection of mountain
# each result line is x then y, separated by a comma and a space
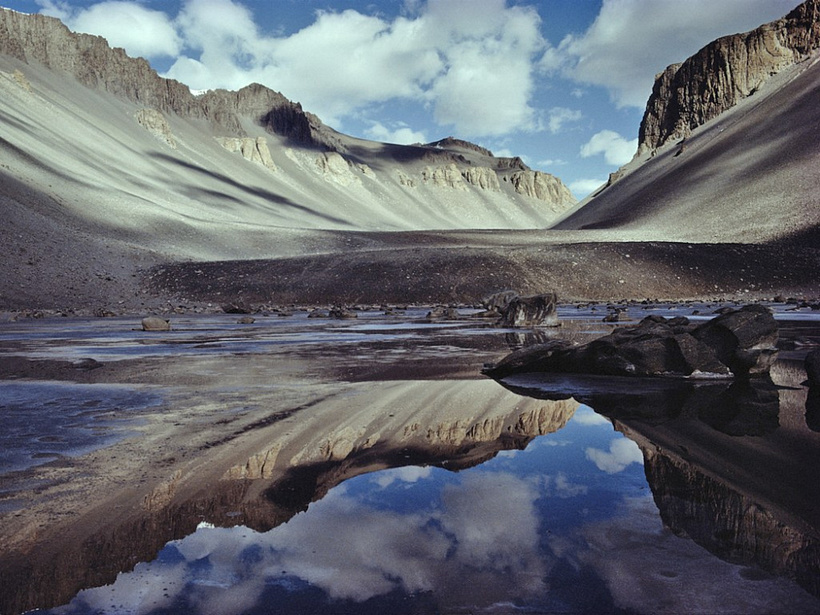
452, 424
729, 524
731, 465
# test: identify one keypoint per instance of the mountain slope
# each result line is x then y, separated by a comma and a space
210, 167
749, 174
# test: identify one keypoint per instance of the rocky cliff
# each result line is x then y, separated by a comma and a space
723, 73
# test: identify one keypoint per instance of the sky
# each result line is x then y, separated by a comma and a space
561, 83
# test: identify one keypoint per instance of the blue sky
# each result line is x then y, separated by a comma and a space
561, 83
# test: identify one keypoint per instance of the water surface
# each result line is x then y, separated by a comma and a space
364, 466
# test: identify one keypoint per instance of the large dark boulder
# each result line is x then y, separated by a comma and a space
741, 343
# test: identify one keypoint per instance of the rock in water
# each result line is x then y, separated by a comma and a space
535, 311
741, 342
155, 323
498, 302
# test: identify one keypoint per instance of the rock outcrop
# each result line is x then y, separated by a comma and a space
740, 343
154, 122
482, 177
723, 73
446, 176
535, 311
542, 186
254, 150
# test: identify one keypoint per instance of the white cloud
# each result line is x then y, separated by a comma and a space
616, 149
551, 162
141, 31
402, 134
633, 40
622, 452
583, 187
560, 116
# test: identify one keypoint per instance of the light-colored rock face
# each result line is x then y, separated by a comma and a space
447, 176
254, 150
335, 168
154, 122
541, 186
723, 73
482, 177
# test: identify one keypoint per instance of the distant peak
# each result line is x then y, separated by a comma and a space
453, 143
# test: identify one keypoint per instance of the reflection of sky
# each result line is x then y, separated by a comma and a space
551, 528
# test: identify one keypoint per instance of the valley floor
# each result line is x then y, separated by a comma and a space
412, 268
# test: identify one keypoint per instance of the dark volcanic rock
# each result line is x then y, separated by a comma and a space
741, 342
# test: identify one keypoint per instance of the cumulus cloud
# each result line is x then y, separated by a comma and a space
401, 134
622, 452
631, 41
561, 116
141, 31
584, 186
616, 149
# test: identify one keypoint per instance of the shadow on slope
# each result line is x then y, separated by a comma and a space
757, 163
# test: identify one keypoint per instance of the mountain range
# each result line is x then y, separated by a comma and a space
124, 191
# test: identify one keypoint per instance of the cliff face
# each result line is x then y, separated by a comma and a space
723, 73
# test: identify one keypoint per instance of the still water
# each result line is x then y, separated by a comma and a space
364, 466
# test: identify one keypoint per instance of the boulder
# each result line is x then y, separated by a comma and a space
535, 311
498, 302
739, 407
155, 323
444, 313
236, 307
740, 343
341, 312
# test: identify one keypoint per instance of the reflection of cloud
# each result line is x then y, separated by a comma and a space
585, 415
564, 488
407, 474
480, 545
493, 519
622, 452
